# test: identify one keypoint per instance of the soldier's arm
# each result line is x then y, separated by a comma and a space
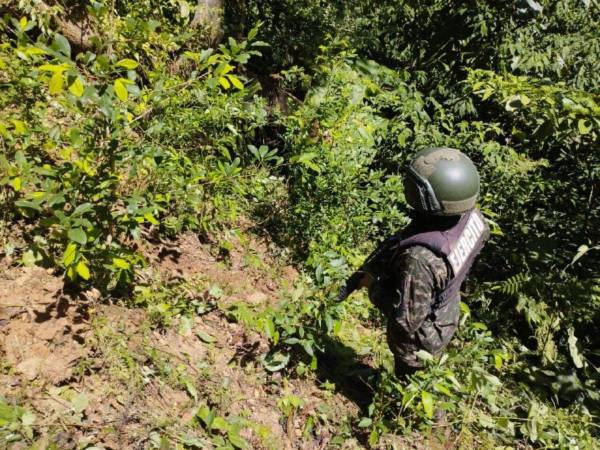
420, 275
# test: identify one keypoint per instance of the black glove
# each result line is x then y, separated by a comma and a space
352, 284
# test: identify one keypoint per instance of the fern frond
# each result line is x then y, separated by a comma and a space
513, 285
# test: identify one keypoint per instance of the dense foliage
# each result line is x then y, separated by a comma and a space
152, 132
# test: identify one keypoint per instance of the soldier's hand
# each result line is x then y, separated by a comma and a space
357, 281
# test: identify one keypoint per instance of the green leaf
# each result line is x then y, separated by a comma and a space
373, 437
28, 259
70, 254
83, 270
274, 362
192, 55
76, 87
205, 337
53, 68
129, 64
33, 51
220, 424
487, 94
82, 209
365, 422
29, 204
150, 218
236, 82
56, 83
497, 361
190, 441
427, 402
215, 291
77, 235
485, 420
61, 44
19, 125
583, 127
236, 440
80, 402
205, 415
121, 89
253, 32
28, 418
120, 263
185, 326
191, 390
224, 82
493, 379
424, 355
16, 184
443, 389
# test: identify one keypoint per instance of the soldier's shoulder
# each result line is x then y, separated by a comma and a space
421, 253
423, 257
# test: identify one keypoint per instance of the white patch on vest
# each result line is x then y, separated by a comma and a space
466, 242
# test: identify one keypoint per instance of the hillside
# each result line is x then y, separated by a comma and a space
185, 187
86, 370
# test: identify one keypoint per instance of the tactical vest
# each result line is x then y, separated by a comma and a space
458, 246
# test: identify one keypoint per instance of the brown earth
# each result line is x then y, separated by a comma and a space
100, 373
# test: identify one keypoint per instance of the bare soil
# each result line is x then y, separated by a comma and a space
98, 373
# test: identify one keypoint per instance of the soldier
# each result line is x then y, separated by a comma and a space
414, 278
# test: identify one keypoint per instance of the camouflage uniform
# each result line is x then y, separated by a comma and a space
406, 296
417, 286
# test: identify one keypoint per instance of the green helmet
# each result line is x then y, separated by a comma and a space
441, 181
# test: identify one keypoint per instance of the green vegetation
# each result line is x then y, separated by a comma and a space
296, 127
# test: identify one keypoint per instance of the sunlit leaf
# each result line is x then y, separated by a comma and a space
16, 184
56, 83
185, 326
121, 264
576, 355
70, 253
121, 89
53, 68
76, 87
220, 424
82, 270
150, 218
427, 402
129, 64
236, 82
223, 81
19, 125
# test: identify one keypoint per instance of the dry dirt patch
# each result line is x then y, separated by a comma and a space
246, 268
135, 378
41, 329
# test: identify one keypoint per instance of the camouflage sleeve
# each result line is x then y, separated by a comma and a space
419, 276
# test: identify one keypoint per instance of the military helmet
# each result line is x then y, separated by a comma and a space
441, 181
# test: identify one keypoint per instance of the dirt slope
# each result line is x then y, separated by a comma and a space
93, 373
